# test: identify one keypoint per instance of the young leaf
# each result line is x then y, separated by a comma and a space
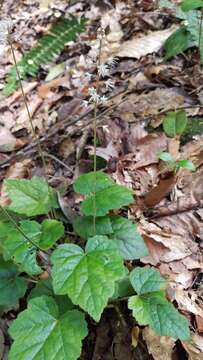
55, 71
16, 246
12, 286
40, 333
175, 123
146, 280
30, 197
165, 156
153, 309
108, 195
107, 199
191, 4
127, 238
86, 184
52, 230
84, 226
89, 277
178, 42
186, 164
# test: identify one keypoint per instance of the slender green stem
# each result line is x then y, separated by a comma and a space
95, 140
28, 112
200, 30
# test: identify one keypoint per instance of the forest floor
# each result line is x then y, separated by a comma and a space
130, 135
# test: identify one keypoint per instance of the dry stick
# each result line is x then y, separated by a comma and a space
58, 160
174, 209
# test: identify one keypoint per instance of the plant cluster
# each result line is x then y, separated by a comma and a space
83, 279
189, 34
174, 125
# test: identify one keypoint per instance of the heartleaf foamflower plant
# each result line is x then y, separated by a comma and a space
83, 276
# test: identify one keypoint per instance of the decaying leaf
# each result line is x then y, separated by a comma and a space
174, 235
194, 348
161, 348
146, 44
23, 119
145, 105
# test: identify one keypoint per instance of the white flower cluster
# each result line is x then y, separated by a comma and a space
95, 98
103, 71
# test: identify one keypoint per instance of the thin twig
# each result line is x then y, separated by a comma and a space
58, 160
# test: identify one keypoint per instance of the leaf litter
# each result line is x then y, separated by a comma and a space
167, 207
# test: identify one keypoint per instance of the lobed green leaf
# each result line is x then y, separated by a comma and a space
92, 182
41, 333
89, 277
153, 309
51, 231
30, 197
150, 306
113, 197
127, 238
84, 226
146, 280
12, 286
44, 287
15, 246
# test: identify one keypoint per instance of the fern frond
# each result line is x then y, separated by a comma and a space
49, 46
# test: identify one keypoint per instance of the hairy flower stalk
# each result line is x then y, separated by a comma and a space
95, 98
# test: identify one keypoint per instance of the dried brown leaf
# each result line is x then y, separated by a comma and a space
146, 44
23, 118
152, 103
161, 348
159, 192
194, 348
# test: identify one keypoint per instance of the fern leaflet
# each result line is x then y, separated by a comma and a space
49, 46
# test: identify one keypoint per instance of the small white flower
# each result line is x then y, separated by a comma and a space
94, 96
113, 62
103, 100
110, 85
103, 70
88, 76
85, 103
